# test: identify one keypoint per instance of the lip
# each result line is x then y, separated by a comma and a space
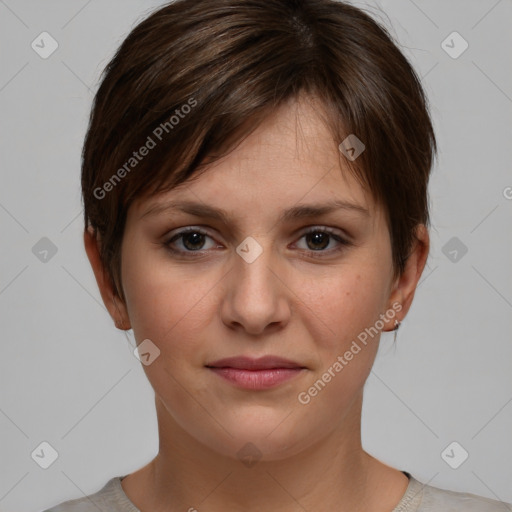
260, 363
261, 373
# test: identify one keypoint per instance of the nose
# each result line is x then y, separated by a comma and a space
256, 298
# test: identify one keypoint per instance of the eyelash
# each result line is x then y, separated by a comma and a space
315, 254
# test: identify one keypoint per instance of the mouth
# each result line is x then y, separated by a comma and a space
262, 373
261, 363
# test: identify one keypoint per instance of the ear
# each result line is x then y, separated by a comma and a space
115, 306
405, 286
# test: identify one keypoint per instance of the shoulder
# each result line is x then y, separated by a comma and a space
442, 499
110, 497
434, 499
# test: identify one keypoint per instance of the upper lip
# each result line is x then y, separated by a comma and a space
249, 363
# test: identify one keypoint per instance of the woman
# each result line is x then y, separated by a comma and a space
255, 183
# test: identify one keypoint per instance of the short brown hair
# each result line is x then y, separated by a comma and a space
233, 61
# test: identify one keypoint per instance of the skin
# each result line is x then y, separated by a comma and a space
286, 303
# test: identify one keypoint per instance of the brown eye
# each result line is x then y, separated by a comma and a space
193, 241
319, 239
189, 240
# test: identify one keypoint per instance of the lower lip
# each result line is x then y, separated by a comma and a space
257, 379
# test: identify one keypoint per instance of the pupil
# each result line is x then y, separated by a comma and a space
196, 240
319, 237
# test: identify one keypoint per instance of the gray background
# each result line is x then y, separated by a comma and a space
69, 377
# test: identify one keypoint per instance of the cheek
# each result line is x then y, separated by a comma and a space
345, 351
345, 302
165, 305
175, 313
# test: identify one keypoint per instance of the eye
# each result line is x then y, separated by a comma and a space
191, 239
191, 242
319, 238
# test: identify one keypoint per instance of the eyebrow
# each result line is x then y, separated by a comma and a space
296, 212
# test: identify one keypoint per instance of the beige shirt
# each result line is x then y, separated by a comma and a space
417, 498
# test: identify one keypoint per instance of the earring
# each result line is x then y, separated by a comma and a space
397, 325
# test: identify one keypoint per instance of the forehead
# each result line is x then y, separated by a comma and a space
290, 158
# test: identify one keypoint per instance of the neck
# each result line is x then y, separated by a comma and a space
335, 473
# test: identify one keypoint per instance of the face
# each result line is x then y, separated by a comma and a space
258, 283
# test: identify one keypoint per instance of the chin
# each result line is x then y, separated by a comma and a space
262, 435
